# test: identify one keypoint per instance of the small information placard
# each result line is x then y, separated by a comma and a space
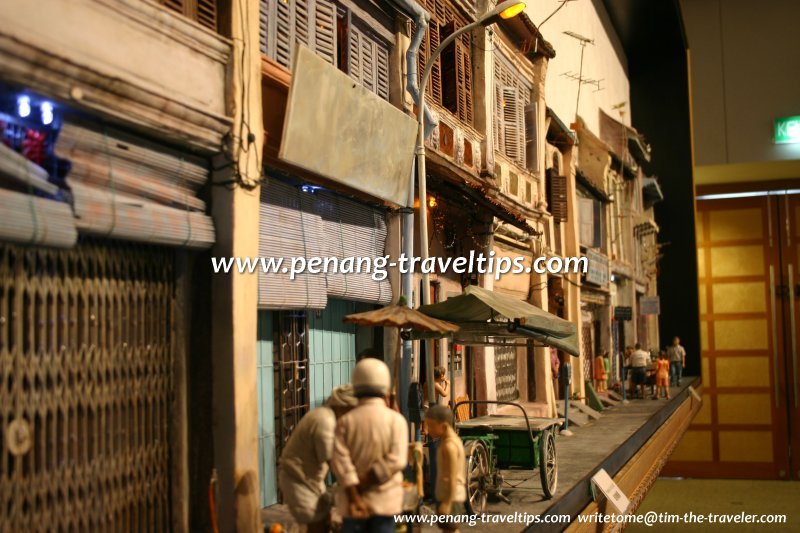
610, 490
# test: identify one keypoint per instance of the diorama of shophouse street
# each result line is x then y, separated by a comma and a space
158, 155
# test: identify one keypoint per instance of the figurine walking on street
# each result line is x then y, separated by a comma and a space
677, 361
450, 482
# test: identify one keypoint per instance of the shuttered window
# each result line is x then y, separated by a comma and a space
368, 60
557, 195
450, 85
332, 32
202, 11
311, 23
512, 103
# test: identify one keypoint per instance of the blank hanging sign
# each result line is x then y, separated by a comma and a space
610, 490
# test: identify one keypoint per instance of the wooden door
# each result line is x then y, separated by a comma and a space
741, 430
789, 209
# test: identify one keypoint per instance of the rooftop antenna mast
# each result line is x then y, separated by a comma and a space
583, 41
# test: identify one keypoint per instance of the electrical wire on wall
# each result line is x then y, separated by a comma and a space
242, 143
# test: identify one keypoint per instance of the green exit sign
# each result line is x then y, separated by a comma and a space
787, 130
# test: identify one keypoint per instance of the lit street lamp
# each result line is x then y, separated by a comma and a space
503, 10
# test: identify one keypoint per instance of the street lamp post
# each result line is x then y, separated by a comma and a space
503, 10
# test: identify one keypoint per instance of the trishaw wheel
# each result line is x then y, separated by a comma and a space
477, 477
548, 465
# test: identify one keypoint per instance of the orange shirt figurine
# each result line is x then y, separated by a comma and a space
662, 375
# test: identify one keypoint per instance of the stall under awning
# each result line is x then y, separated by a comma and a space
492, 318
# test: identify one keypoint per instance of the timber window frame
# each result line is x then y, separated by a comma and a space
451, 81
590, 221
513, 110
333, 32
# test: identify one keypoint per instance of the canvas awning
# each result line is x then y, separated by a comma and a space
490, 316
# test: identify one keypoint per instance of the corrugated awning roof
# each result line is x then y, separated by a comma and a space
484, 314
528, 37
652, 190
559, 133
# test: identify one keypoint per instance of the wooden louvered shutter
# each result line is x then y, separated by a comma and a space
202, 11
283, 30
382, 73
308, 22
324, 30
531, 137
512, 114
435, 84
557, 195
207, 13
497, 124
368, 62
464, 80
449, 66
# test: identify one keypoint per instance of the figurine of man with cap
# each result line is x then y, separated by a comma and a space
303, 465
370, 451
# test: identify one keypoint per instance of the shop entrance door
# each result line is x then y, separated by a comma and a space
748, 284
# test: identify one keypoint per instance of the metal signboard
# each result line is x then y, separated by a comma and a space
650, 305
598, 268
337, 129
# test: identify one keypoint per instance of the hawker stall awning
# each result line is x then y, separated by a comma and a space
490, 315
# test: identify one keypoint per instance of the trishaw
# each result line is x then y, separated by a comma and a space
497, 442
493, 443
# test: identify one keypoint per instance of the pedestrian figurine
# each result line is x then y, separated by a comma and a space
441, 385
370, 451
555, 368
639, 361
677, 361
600, 376
607, 369
662, 375
303, 465
450, 482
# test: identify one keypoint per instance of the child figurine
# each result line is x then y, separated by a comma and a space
662, 375
599, 373
450, 482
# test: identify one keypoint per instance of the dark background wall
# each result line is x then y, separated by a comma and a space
655, 44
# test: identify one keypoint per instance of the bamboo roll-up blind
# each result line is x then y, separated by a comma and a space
93, 169
130, 188
119, 147
354, 230
28, 219
100, 211
289, 227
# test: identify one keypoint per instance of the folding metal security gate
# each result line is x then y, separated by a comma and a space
86, 359
505, 364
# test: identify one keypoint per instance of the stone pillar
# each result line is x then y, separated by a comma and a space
234, 296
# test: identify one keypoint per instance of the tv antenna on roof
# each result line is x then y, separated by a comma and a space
583, 41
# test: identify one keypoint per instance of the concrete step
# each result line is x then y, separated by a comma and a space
585, 409
614, 395
608, 402
575, 417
